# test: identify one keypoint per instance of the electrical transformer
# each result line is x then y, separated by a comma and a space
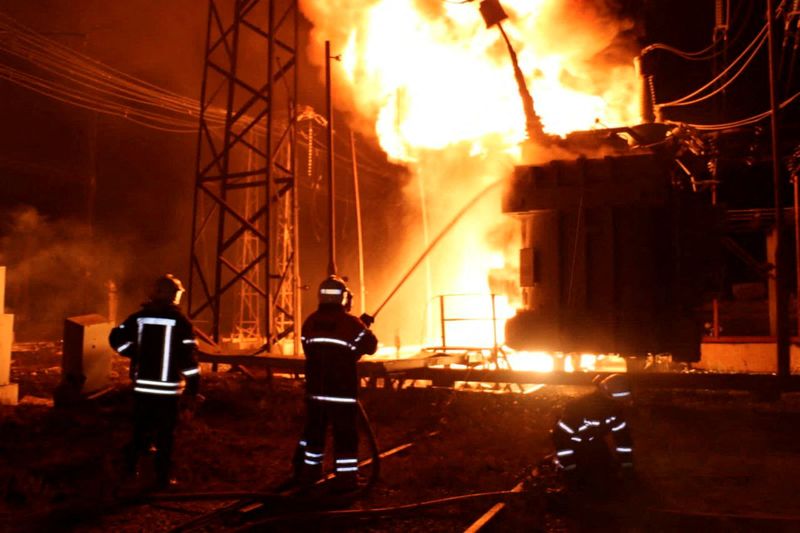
616, 256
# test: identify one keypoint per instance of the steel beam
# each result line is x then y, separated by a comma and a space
418, 369
245, 202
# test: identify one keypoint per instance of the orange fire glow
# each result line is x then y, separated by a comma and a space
439, 89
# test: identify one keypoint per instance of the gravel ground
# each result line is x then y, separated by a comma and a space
705, 460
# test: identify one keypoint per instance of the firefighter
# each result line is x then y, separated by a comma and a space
592, 438
333, 341
159, 340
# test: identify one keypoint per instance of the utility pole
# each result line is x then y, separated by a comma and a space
781, 300
331, 180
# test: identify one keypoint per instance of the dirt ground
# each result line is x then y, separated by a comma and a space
718, 461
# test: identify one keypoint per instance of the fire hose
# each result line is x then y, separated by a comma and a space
375, 456
278, 496
503, 496
469, 205
379, 512
464, 209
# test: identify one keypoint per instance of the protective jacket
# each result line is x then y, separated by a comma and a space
586, 425
160, 342
333, 341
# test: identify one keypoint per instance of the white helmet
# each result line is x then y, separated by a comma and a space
333, 290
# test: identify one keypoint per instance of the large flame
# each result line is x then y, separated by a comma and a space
439, 88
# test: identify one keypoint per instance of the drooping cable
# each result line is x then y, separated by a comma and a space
745, 121
757, 42
699, 55
722, 87
56, 49
71, 77
710, 51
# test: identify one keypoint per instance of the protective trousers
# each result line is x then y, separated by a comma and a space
343, 418
154, 421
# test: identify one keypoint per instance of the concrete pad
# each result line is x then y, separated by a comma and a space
743, 357
9, 394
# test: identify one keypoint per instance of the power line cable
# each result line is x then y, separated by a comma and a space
723, 86
756, 42
708, 52
81, 81
742, 122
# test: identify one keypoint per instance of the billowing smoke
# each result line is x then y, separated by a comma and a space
54, 270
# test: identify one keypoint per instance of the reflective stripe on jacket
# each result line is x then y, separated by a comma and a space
333, 341
160, 342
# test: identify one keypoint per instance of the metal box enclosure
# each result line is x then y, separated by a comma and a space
87, 354
615, 258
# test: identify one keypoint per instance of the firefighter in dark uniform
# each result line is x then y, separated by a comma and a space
333, 341
592, 438
159, 340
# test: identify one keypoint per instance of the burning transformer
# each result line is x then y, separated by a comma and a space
619, 248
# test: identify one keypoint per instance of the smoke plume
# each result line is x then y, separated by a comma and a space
54, 270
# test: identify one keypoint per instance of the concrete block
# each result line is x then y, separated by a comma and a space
744, 357
87, 355
6, 340
9, 394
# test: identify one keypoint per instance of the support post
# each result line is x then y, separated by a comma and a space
442, 322
9, 392
781, 300
331, 196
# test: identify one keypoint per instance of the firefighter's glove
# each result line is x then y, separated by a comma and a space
367, 319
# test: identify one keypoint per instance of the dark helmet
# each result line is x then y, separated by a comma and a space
615, 386
167, 289
333, 290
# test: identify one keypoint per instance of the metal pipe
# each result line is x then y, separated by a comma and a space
359, 230
225, 170
494, 328
331, 206
441, 318
796, 190
715, 302
782, 334
113, 301
272, 295
296, 299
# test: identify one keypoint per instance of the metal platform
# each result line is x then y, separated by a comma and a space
438, 370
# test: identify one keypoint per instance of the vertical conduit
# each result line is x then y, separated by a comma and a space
782, 334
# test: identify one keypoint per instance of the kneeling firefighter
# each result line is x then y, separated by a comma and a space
159, 340
592, 438
333, 341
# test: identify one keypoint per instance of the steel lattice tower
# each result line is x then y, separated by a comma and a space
244, 249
